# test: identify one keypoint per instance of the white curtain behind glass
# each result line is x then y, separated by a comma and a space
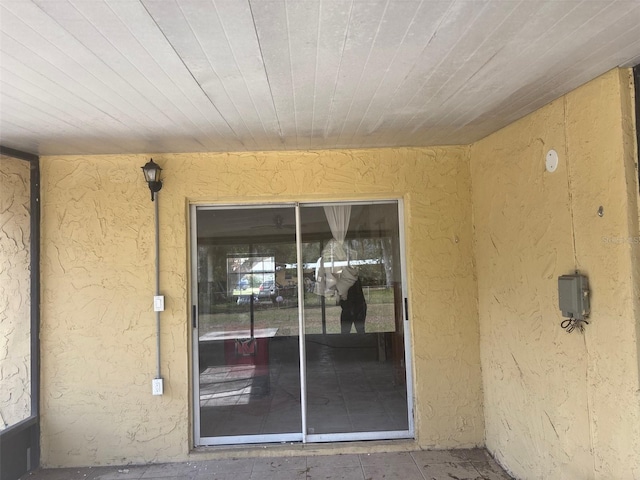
338, 217
333, 273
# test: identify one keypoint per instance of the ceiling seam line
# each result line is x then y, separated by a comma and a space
244, 80
394, 136
523, 52
586, 58
62, 72
443, 103
433, 35
291, 76
266, 74
364, 67
411, 23
222, 85
169, 77
519, 113
117, 74
335, 84
41, 111
25, 81
135, 67
191, 73
315, 73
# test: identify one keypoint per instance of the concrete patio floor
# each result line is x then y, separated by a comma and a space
472, 464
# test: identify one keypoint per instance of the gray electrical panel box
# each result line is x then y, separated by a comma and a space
573, 296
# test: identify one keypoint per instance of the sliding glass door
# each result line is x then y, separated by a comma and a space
298, 327
248, 369
354, 333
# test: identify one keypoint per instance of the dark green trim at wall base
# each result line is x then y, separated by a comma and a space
20, 449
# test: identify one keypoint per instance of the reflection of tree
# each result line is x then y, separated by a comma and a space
283, 252
380, 250
387, 259
311, 251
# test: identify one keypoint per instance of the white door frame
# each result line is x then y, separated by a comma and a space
302, 436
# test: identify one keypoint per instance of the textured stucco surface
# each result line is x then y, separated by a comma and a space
15, 307
559, 405
98, 344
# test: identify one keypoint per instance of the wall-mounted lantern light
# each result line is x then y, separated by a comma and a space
151, 172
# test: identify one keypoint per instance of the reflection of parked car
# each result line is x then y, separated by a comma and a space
269, 289
243, 284
245, 299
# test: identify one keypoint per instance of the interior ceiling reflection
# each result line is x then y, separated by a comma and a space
277, 224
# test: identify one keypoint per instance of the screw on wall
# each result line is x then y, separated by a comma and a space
601, 211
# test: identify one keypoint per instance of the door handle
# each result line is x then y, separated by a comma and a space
406, 309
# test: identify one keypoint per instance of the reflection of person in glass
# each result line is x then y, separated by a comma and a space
354, 309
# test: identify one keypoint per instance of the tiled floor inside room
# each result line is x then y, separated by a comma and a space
474, 464
351, 391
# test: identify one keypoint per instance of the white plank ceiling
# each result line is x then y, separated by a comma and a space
146, 76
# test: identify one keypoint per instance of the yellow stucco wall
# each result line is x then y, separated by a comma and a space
98, 327
15, 288
558, 405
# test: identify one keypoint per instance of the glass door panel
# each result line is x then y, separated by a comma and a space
248, 386
354, 336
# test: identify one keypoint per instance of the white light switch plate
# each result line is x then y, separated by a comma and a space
156, 386
158, 303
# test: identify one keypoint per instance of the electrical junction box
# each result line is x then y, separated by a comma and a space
573, 296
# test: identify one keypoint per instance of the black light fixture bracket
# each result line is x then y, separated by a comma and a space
151, 172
